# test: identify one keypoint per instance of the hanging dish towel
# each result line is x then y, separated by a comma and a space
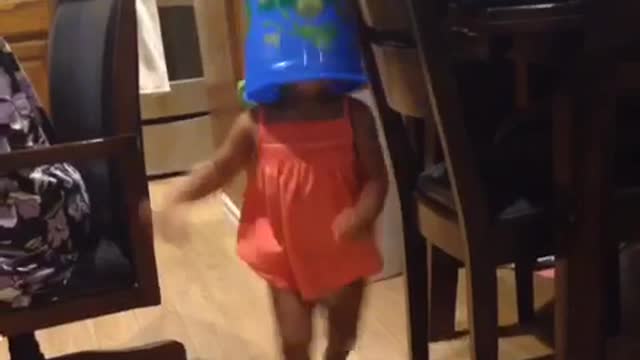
154, 77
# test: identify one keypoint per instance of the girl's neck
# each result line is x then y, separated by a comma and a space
325, 108
293, 99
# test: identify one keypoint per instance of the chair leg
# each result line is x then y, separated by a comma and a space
417, 296
443, 288
25, 346
482, 305
524, 290
613, 300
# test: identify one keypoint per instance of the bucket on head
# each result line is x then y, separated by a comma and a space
292, 41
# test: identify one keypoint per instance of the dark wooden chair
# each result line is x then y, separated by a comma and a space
95, 116
406, 168
456, 215
616, 74
446, 204
386, 24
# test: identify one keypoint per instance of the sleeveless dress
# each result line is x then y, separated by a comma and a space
305, 176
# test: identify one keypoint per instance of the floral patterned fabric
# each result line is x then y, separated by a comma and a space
44, 211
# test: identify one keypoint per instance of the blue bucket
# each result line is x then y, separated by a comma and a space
292, 41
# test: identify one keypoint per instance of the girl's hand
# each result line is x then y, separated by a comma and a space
169, 221
348, 226
172, 223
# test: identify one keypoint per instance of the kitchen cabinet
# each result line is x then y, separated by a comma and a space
25, 25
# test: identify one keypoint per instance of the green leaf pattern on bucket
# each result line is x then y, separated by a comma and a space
322, 36
310, 8
272, 39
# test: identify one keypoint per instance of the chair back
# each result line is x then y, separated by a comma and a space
95, 113
88, 92
446, 110
79, 58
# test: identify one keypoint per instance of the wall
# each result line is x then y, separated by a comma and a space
221, 24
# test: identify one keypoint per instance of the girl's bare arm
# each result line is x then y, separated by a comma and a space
233, 156
371, 169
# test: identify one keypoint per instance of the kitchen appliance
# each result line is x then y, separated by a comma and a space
176, 124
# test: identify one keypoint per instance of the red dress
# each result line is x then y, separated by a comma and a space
304, 178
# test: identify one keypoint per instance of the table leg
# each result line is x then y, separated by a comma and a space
563, 178
580, 283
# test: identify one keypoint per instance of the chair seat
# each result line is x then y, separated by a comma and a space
434, 184
518, 228
101, 270
528, 235
104, 268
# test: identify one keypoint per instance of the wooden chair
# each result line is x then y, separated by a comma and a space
406, 168
456, 218
395, 32
95, 114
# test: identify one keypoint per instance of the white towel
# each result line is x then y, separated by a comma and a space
154, 77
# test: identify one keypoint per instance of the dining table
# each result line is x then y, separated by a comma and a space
584, 108
584, 133
578, 197
584, 111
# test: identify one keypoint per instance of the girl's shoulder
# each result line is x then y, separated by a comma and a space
362, 119
359, 113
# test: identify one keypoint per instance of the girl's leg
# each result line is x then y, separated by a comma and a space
344, 314
24, 347
293, 316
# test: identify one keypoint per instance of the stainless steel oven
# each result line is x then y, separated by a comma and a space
176, 124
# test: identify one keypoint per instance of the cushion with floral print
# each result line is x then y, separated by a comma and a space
44, 211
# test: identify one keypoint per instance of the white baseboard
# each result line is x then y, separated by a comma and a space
232, 210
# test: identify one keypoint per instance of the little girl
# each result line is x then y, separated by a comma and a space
317, 183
